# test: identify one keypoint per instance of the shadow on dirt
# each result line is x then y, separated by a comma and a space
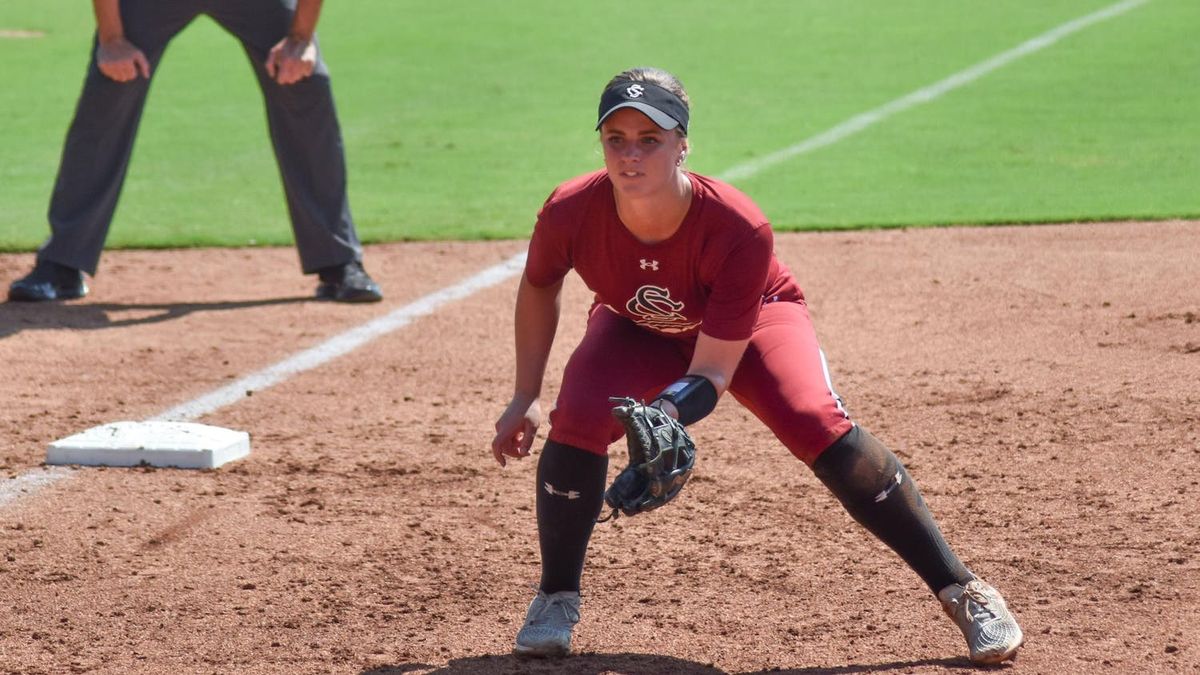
953, 664
638, 664
18, 316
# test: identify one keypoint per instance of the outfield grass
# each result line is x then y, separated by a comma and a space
459, 117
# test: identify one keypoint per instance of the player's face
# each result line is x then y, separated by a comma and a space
641, 158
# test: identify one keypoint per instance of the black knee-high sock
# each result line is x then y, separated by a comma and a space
874, 487
570, 491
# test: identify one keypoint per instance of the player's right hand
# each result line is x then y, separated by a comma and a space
516, 428
120, 60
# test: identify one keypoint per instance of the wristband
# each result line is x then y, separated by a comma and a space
693, 396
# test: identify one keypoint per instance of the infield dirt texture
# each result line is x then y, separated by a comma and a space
1040, 382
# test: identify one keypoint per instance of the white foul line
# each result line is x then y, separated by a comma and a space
31, 481
336, 346
863, 120
346, 342
340, 344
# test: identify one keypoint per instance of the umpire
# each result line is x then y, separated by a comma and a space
131, 35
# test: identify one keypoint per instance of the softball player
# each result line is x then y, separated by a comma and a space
690, 302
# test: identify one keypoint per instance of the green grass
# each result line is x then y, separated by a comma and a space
459, 117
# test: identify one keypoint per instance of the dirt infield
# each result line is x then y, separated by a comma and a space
1041, 383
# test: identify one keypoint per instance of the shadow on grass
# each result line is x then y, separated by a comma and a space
641, 664
16, 317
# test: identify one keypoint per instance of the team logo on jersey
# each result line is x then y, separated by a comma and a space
648, 264
653, 307
635, 91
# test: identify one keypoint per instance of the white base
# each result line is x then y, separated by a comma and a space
183, 445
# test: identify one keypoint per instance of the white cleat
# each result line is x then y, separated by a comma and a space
548, 625
991, 631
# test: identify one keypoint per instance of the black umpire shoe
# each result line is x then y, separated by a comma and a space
347, 283
48, 281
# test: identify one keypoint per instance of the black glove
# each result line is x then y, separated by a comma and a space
661, 458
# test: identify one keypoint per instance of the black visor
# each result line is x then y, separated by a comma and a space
660, 105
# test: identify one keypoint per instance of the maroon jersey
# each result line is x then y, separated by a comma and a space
712, 275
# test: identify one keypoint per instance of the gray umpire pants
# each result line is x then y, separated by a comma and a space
302, 119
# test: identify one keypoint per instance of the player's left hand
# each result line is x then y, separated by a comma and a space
291, 60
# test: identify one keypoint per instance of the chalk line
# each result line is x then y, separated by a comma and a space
338, 345
925, 94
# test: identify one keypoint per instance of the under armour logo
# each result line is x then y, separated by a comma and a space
569, 494
635, 91
896, 481
648, 264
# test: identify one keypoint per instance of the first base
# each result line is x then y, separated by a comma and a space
182, 445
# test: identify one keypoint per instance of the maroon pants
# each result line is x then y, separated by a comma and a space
782, 379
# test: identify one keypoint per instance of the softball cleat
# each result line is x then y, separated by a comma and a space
981, 614
548, 625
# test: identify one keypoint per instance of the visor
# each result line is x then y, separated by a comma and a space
660, 105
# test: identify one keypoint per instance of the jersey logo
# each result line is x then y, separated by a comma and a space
653, 307
635, 91
648, 264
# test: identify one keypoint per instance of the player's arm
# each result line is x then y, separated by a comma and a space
536, 323
292, 59
116, 57
694, 395
732, 309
